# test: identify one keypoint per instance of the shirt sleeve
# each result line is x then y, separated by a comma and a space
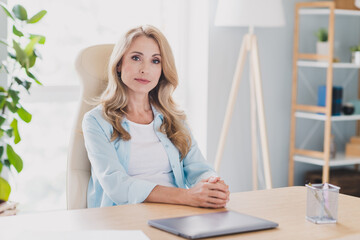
195, 166
105, 164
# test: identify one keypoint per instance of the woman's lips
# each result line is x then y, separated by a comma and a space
143, 81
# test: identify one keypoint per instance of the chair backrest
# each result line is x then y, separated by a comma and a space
91, 66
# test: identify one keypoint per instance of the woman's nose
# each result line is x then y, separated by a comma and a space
143, 68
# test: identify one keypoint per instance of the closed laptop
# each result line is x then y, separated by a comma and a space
211, 224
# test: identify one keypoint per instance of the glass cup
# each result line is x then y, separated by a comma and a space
322, 203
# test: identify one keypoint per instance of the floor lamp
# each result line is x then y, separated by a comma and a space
249, 13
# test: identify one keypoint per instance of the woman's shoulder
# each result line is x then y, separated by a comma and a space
95, 115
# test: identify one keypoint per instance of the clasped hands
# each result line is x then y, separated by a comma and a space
209, 193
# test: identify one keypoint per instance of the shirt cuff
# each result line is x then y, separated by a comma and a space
139, 190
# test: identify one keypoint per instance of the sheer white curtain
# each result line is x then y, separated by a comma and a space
71, 26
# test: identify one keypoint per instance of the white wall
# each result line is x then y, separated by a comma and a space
276, 50
3, 29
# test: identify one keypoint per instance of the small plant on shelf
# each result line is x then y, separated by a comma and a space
322, 45
355, 54
322, 35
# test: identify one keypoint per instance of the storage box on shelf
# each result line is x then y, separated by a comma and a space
353, 147
346, 4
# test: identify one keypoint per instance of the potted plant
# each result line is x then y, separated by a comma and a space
322, 44
22, 55
355, 54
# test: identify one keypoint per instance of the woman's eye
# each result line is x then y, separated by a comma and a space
136, 58
156, 61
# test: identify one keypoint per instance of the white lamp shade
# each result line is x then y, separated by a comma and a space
255, 13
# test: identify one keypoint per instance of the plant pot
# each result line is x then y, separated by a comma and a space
355, 57
322, 48
7, 208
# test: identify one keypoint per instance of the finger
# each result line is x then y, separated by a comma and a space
216, 200
217, 186
223, 183
211, 204
213, 179
218, 194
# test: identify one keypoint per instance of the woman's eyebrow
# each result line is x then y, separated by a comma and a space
140, 53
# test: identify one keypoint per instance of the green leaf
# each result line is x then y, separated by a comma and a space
24, 115
1, 166
29, 49
42, 38
5, 189
14, 96
1, 151
26, 84
37, 17
17, 32
20, 12
33, 77
322, 35
14, 125
12, 55
14, 159
7, 163
32, 60
20, 54
11, 106
2, 102
9, 131
2, 41
1, 133
2, 120
6, 10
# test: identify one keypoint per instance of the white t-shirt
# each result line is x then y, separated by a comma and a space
148, 158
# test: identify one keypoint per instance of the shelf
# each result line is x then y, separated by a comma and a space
326, 11
340, 160
325, 64
316, 116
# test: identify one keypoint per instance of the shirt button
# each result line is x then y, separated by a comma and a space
167, 146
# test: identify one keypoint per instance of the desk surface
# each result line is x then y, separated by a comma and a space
285, 206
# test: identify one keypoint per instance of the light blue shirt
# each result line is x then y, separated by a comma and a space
110, 184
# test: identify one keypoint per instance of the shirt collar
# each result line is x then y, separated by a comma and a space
157, 113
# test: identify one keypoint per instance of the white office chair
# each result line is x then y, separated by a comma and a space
91, 66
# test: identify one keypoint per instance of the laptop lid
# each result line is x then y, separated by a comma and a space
211, 224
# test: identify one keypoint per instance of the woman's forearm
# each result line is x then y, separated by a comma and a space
205, 193
163, 194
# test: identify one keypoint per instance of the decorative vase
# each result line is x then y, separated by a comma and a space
357, 3
355, 57
322, 48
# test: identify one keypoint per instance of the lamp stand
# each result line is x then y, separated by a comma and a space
249, 45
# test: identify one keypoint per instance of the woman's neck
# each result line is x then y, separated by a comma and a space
139, 109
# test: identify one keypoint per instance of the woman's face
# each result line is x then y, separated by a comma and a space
141, 66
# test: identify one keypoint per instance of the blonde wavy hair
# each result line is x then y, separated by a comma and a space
114, 99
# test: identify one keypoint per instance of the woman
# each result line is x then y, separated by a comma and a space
137, 141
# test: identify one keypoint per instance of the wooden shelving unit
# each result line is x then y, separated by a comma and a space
314, 112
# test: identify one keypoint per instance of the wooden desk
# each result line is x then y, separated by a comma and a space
285, 206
